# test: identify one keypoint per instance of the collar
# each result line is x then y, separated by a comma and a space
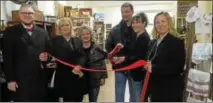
30, 27
163, 36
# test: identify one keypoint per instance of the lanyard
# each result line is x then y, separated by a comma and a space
150, 59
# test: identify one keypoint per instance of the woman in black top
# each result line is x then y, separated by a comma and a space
69, 83
139, 23
167, 57
93, 52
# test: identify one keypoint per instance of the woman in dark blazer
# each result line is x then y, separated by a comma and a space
70, 83
166, 58
92, 52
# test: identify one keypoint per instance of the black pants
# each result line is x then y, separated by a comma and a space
5, 94
93, 94
73, 99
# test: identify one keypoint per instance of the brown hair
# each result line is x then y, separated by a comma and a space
141, 17
127, 5
172, 29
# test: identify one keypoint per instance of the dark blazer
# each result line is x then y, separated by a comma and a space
21, 62
139, 53
66, 83
167, 67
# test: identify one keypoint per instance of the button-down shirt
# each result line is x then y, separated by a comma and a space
30, 33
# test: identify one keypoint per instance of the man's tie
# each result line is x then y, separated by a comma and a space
29, 29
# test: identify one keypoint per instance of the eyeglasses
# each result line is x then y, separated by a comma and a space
27, 13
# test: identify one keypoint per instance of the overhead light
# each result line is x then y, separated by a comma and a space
62, 2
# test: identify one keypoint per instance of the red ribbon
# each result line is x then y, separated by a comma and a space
113, 53
134, 65
145, 84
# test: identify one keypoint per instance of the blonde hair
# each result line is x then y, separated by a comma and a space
63, 21
172, 29
80, 31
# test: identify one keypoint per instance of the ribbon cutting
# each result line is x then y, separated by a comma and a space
132, 66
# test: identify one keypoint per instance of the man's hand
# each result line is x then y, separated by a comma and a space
120, 45
43, 56
12, 86
148, 67
120, 60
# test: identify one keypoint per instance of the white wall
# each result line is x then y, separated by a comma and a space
48, 7
113, 16
7, 7
118, 3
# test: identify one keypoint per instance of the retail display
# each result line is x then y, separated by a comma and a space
80, 17
108, 28
47, 26
98, 33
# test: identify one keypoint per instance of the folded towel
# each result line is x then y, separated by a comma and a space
198, 82
201, 51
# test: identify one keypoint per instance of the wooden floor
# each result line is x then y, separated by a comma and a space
107, 92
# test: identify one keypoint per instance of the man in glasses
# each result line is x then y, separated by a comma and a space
22, 47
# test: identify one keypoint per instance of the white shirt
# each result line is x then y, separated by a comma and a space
160, 39
30, 33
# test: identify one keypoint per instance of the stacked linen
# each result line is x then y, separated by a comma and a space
201, 52
198, 83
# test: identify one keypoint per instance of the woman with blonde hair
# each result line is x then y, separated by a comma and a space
69, 83
166, 58
93, 52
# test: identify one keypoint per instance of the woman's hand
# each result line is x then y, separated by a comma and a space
80, 74
148, 67
77, 71
43, 56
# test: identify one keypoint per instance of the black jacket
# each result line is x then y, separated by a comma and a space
139, 53
166, 80
67, 83
117, 35
21, 62
94, 78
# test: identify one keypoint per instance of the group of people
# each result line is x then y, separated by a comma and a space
28, 75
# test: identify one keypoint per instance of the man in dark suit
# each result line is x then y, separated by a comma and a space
23, 44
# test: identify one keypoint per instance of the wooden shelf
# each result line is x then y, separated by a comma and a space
47, 26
